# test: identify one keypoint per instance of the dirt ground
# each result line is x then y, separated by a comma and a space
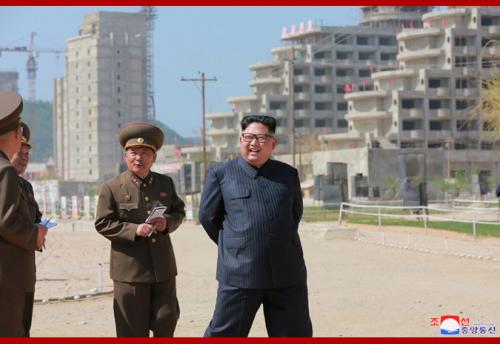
356, 287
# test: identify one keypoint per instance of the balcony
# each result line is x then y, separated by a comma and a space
438, 135
418, 33
282, 131
344, 63
468, 71
440, 113
420, 54
265, 81
302, 96
222, 131
439, 92
324, 79
302, 79
265, 65
280, 113
471, 134
246, 98
494, 29
219, 115
412, 113
417, 134
367, 94
367, 115
322, 96
466, 92
302, 113
492, 51
323, 62
467, 50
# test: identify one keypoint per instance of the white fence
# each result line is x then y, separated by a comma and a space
416, 239
459, 214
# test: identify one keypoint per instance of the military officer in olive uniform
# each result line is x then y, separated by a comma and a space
142, 258
19, 235
20, 161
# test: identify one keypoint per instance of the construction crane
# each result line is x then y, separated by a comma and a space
31, 67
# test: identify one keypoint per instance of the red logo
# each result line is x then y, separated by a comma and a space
435, 322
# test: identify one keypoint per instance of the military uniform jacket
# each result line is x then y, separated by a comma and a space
29, 197
125, 202
253, 215
18, 233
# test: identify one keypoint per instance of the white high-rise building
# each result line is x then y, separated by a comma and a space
105, 86
8, 81
429, 104
313, 70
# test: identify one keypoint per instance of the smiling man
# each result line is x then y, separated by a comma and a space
142, 263
251, 208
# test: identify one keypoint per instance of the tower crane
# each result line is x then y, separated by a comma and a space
31, 66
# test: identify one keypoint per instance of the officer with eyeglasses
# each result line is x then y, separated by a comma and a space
251, 208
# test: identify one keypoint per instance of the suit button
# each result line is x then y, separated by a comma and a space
149, 212
146, 198
144, 185
153, 240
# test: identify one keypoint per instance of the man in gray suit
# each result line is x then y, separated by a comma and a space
251, 208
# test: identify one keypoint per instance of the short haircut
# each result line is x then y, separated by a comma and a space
268, 121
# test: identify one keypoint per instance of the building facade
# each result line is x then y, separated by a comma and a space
305, 84
8, 81
430, 103
105, 85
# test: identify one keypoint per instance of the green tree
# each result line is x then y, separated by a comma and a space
454, 186
489, 105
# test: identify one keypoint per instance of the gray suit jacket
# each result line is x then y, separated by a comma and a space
253, 215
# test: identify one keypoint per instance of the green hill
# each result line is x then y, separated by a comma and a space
42, 131
171, 137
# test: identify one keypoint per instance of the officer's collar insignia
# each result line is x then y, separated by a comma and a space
147, 181
163, 194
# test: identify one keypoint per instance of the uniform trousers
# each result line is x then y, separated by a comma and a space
28, 312
286, 311
141, 307
12, 306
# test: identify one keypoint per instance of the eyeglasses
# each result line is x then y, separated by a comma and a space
261, 138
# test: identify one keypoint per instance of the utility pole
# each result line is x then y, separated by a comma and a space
202, 79
450, 141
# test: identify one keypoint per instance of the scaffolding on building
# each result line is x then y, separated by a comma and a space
150, 12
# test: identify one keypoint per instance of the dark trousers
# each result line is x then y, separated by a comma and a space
286, 311
28, 313
11, 314
140, 307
